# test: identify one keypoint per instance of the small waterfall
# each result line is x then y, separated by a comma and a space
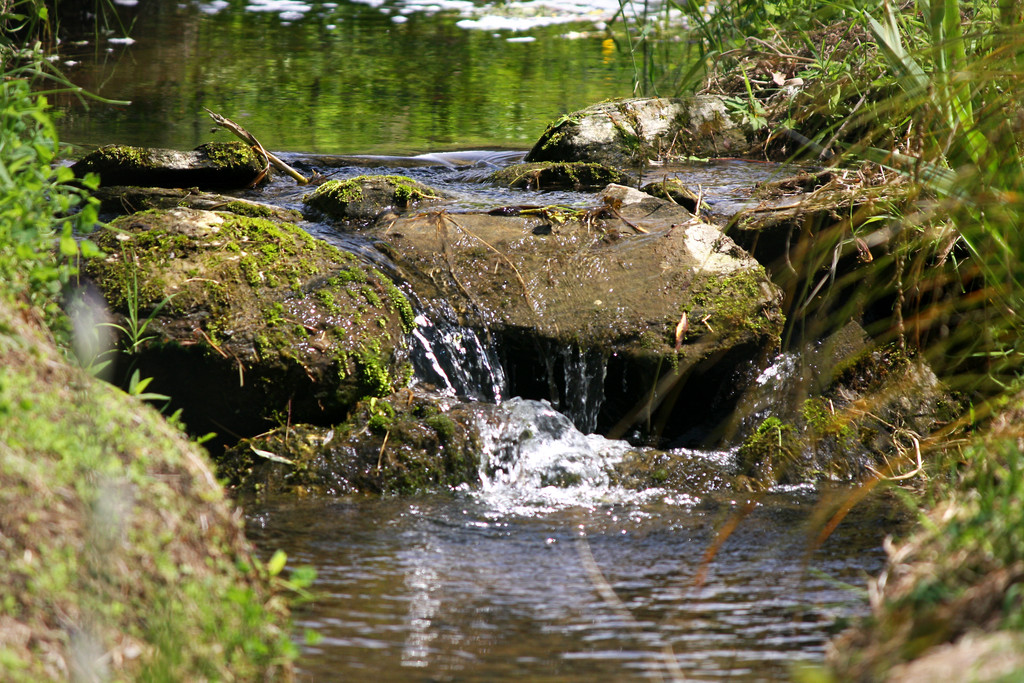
455, 360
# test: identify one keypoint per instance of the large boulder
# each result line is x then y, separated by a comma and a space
243, 319
635, 292
626, 134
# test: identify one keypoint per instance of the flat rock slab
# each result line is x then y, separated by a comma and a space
215, 165
637, 279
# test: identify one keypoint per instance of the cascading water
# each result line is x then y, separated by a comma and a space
584, 374
455, 360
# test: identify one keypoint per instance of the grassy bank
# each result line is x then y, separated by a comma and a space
122, 557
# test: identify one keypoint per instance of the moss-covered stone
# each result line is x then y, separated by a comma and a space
548, 175
627, 133
364, 198
403, 444
770, 456
252, 316
212, 165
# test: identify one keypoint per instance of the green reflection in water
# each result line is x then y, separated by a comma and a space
344, 79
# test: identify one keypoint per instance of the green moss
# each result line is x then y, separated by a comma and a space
381, 415
371, 297
249, 209
824, 422
771, 455
373, 371
125, 156
399, 303
443, 425
734, 304
229, 154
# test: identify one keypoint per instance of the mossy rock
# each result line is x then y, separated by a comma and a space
123, 560
364, 198
546, 175
617, 282
404, 443
214, 165
251, 318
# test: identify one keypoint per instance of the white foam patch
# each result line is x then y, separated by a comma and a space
294, 9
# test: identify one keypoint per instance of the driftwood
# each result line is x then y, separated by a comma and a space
251, 139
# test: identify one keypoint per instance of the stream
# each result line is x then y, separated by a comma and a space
513, 579
526, 578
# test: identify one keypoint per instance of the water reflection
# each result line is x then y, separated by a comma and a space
338, 77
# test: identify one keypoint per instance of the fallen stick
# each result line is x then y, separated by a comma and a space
251, 139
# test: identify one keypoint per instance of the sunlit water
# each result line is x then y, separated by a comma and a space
458, 587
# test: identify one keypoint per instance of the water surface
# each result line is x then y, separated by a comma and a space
456, 587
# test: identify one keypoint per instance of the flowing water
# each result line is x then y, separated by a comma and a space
545, 570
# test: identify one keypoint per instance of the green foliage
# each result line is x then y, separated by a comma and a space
42, 212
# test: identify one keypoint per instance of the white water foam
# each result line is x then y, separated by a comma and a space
535, 462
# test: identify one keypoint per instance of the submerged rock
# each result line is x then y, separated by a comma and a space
665, 300
214, 165
626, 133
364, 198
240, 318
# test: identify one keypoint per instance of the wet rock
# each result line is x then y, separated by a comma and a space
844, 409
364, 198
791, 222
412, 442
404, 443
676, 471
674, 190
240, 319
769, 456
665, 299
557, 175
215, 165
626, 133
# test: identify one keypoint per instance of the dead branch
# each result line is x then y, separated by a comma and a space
245, 135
